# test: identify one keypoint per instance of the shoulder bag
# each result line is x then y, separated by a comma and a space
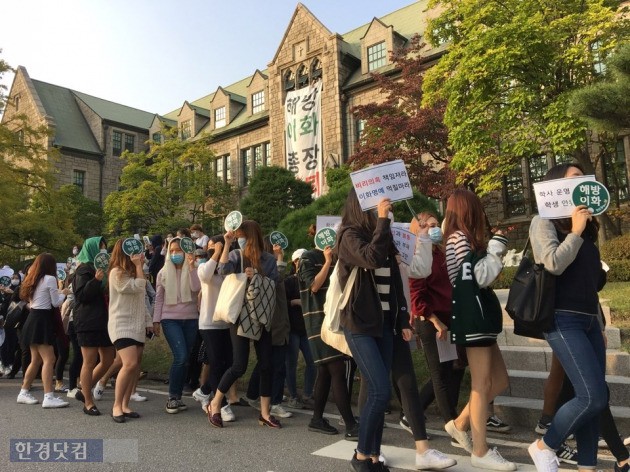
231, 297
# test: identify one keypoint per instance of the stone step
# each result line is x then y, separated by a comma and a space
529, 384
526, 412
539, 359
508, 338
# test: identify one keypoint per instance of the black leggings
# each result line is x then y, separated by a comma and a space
333, 372
62, 351
240, 358
74, 371
219, 353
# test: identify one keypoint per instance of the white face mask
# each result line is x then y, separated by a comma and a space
195, 234
75, 251
103, 251
14, 282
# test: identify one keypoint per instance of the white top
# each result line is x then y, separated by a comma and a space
47, 295
128, 314
210, 287
203, 241
422, 261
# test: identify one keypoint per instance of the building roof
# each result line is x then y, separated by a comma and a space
116, 112
71, 129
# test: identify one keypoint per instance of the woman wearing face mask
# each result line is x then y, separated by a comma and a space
250, 240
215, 334
431, 300
175, 313
90, 324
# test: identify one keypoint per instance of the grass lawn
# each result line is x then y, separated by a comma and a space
617, 296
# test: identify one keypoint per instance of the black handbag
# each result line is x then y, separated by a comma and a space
531, 300
16, 314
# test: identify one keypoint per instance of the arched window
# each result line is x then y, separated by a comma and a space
316, 69
289, 80
302, 76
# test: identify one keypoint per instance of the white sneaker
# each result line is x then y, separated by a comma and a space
200, 397
54, 402
136, 397
433, 459
626, 442
382, 458
97, 392
73, 393
227, 415
493, 461
27, 399
545, 459
279, 412
461, 437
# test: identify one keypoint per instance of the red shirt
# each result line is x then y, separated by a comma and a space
433, 295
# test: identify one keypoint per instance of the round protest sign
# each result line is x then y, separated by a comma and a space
593, 195
325, 237
233, 221
187, 245
276, 237
61, 274
101, 261
5, 281
131, 246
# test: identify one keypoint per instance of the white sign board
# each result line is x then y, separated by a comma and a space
328, 221
555, 198
303, 135
405, 242
388, 180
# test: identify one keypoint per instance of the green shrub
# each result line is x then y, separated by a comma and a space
504, 280
616, 249
619, 271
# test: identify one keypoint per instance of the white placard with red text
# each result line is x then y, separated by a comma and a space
389, 180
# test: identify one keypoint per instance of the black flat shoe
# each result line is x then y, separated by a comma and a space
79, 396
131, 414
91, 411
119, 418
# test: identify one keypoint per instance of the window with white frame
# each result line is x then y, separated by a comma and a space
377, 56
219, 117
258, 101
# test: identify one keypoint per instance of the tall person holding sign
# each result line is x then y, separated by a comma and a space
567, 249
376, 307
175, 313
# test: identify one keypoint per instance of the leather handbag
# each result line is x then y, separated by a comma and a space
531, 299
231, 297
16, 314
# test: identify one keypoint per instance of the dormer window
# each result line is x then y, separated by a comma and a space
289, 80
186, 129
219, 118
258, 101
316, 69
377, 56
302, 76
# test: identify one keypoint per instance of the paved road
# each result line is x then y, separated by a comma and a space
163, 442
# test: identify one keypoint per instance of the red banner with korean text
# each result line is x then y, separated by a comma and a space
303, 135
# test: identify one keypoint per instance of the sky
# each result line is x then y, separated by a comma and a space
154, 54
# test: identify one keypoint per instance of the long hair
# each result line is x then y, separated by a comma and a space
464, 212
563, 225
255, 243
120, 260
44, 264
353, 215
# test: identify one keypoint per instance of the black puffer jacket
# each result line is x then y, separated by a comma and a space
90, 310
363, 313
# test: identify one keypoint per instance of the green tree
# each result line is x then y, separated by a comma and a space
507, 77
86, 213
35, 218
273, 193
167, 187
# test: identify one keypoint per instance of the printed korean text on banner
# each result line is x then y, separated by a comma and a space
325, 237
327, 221
303, 135
388, 180
557, 198
405, 242
276, 237
187, 245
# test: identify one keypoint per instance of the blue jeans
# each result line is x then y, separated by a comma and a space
578, 343
299, 343
374, 358
180, 335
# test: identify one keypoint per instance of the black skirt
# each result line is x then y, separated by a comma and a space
94, 339
39, 328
